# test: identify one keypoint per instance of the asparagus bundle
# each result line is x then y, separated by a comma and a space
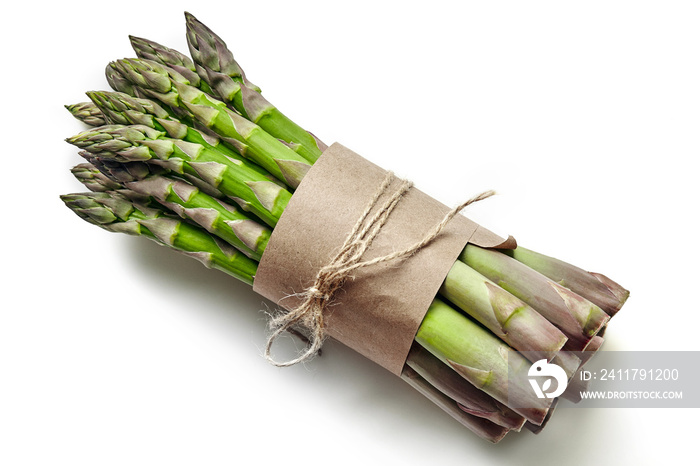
188, 153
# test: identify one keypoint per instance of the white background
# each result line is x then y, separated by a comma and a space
584, 116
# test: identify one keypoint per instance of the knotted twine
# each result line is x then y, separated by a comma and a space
330, 278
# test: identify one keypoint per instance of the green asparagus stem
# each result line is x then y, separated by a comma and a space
155, 81
215, 216
87, 112
123, 172
470, 399
596, 288
114, 212
122, 109
252, 191
216, 65
180, 62
148, 80
480, 426
579, 319
481, 358
506, 316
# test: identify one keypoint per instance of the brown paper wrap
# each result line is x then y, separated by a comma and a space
378, 312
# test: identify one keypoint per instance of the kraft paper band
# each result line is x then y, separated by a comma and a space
378, 312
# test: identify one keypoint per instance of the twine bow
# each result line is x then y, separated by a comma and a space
330, 278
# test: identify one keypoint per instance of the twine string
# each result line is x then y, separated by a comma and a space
330, 278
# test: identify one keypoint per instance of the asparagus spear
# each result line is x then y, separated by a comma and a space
506, 316
481, 358
180, 62
93, 178
252, 191
164, 84
120, 172
215, 216
123, 109
595, 287
87, 112
213, 61
579, 319
120, 83
468, 398
115, 212
216, 65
